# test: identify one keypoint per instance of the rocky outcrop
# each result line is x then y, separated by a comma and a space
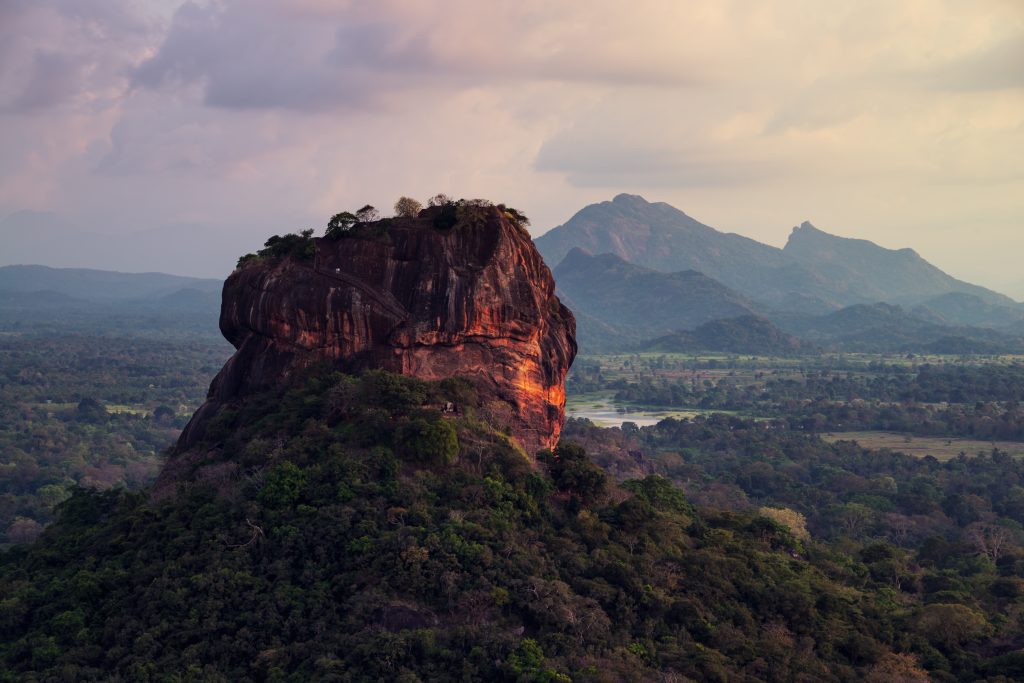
473, 300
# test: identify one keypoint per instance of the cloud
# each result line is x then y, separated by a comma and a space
259, 54
67, 53
995, 67
644, 153
256, 116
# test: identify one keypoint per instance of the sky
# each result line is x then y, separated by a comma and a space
175, 136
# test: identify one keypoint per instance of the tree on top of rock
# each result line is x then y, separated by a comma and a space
407, 207
340, 224
367, 214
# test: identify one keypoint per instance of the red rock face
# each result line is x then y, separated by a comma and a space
475, 300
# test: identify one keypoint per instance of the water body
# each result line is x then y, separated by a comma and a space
603, 411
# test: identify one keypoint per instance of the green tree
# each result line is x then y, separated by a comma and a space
430, 442
283, 486
367, 214
407, 207
573, 472
340, 224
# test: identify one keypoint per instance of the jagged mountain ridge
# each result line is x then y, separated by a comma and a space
816, 272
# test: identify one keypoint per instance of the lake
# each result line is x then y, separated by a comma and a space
601, 409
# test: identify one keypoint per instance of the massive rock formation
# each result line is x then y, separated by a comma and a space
474, 300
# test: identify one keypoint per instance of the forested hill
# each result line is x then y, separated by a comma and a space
344, 529
744, 334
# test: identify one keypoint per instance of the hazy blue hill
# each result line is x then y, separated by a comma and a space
100, 285
969, 309
48, 301
898, 275
37, 299
744, 334
885, 327
615, 301
190, 297
60, 241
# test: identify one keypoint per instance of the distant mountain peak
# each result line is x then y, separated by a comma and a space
807, 234
574, 259
807, 226
626, 198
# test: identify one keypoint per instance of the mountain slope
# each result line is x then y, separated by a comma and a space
896, 275
616, 302
968, 309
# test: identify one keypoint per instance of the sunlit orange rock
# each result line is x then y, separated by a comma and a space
474, 300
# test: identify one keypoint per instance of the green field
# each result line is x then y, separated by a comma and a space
938, 447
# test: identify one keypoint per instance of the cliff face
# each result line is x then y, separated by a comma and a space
475, 300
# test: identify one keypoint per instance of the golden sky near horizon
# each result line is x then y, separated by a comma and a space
902, 122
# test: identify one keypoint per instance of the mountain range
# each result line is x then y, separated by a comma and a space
814, 272
102, 285
40, 299
634, 270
